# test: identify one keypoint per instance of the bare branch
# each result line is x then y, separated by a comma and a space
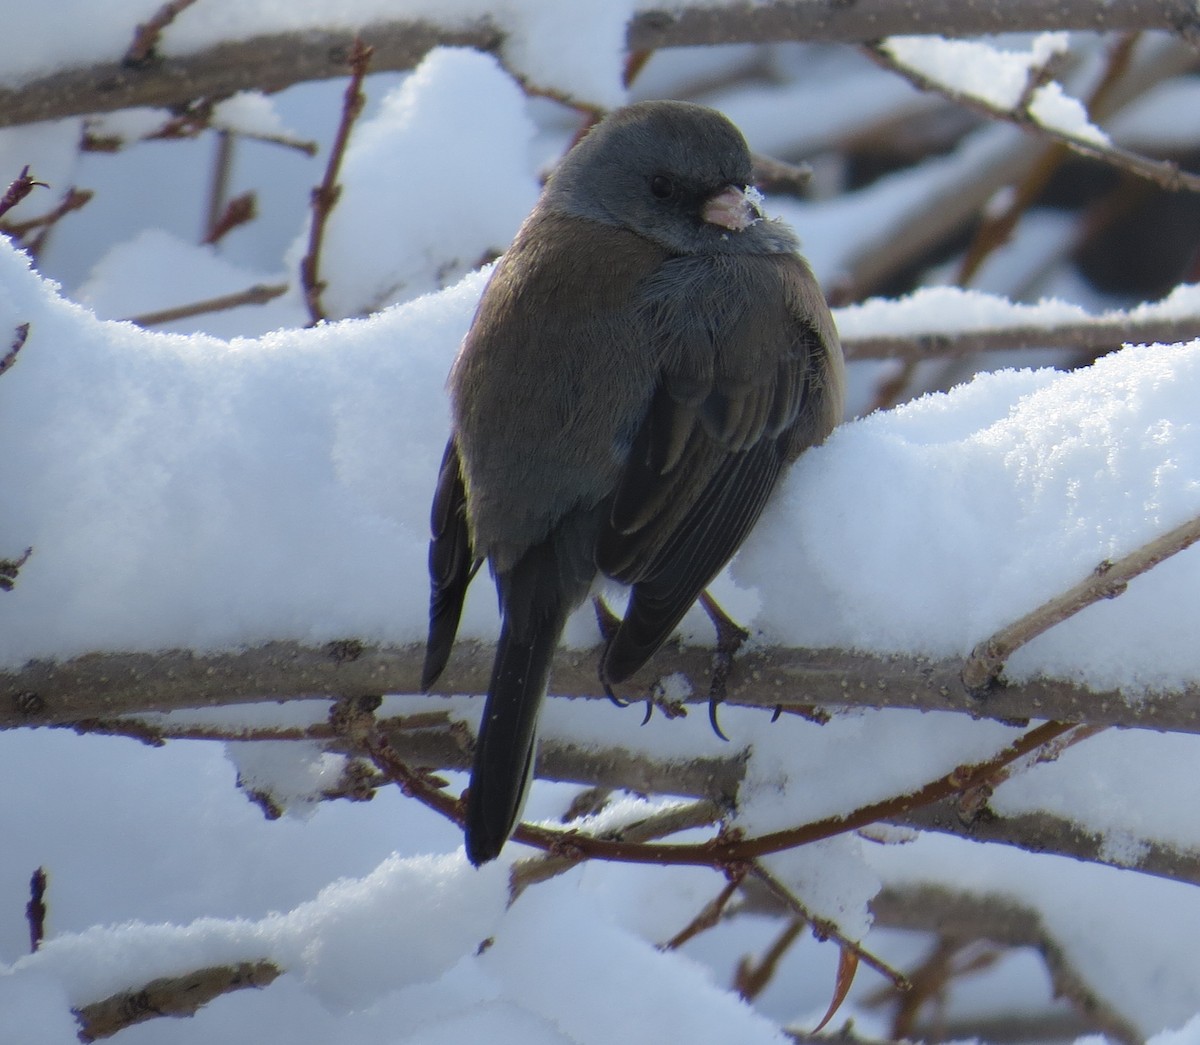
1107, 581
325, 195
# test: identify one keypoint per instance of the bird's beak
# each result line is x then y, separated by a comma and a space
733, 209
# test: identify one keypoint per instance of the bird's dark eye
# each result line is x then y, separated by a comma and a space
662, 187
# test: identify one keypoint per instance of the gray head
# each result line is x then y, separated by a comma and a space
673, 172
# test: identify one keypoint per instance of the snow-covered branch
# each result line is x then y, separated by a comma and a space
271, 61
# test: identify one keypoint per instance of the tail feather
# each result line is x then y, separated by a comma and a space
504, 752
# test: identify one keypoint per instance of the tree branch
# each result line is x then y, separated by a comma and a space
274, 61
105, 685
1096, 335
1046, 833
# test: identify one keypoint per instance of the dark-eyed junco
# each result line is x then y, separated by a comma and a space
648, 356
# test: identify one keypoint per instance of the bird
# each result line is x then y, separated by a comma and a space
646, 359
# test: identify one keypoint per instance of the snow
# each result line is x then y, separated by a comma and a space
999, 78
927, 528
238, 477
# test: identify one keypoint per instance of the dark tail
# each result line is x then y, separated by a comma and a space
506, 747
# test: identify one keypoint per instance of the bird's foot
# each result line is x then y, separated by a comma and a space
730, 637
608, 623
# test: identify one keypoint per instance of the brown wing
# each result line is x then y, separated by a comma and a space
750, 376
452, 564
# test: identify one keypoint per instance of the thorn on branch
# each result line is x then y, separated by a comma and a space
21, 187
847, 968
823, 929
325, 195
143, 51
9, 568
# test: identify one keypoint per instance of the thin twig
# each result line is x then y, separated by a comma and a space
823, 929
73, 200
709, 915
259, 294
325, 195
751, 977
725, 851
1108, 580
218, 188
658, 825
238, 211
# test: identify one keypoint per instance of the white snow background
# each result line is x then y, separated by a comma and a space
246, 479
